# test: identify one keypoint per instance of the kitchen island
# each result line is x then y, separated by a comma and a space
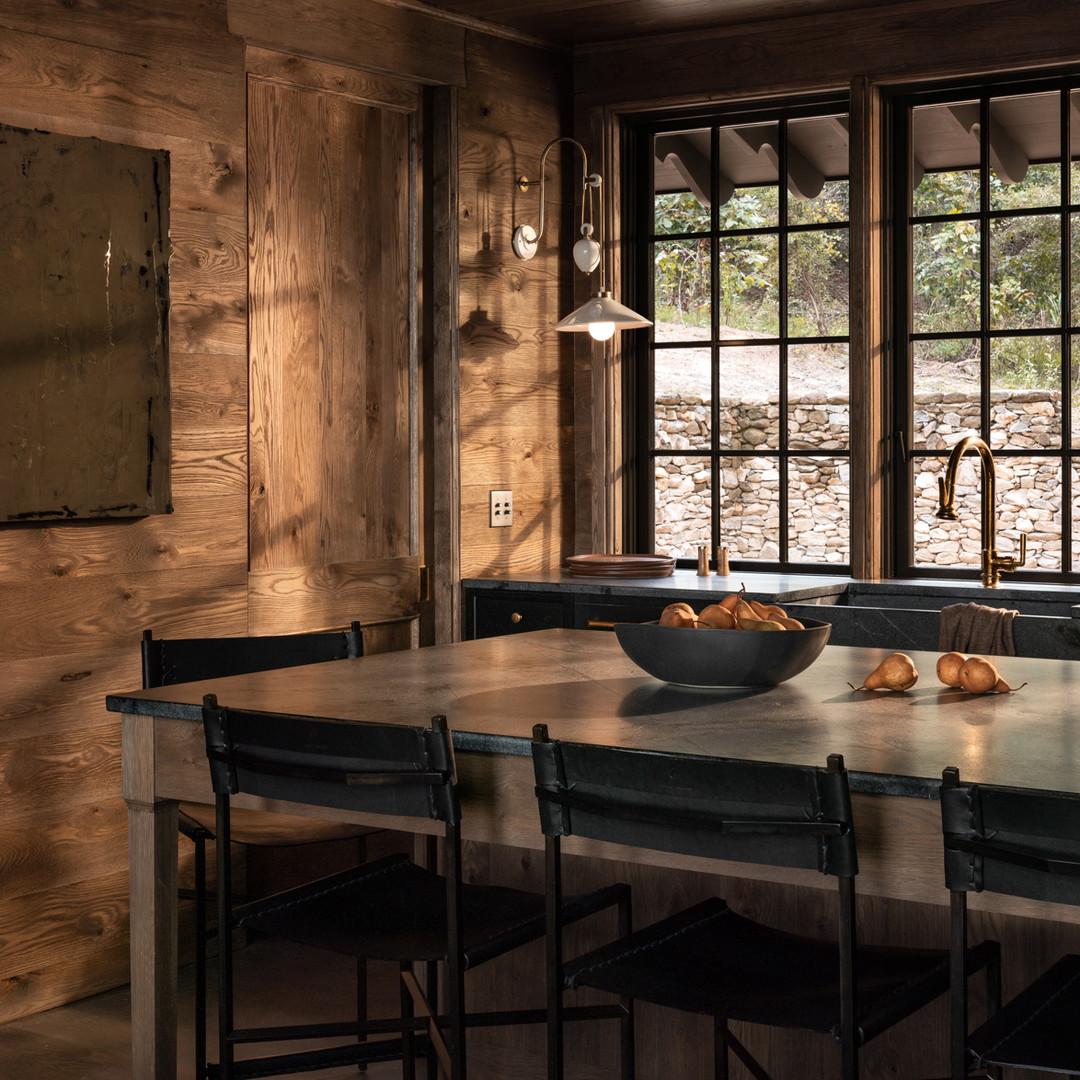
583, 686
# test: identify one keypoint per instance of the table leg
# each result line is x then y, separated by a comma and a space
152, 862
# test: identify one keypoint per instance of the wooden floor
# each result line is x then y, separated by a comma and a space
90, 1039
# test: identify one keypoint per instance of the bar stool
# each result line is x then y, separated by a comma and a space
390, 909
1019, 843
709, 959
167, 661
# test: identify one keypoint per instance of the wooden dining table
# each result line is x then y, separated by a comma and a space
582, 685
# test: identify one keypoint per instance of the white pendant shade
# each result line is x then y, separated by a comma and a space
601, 316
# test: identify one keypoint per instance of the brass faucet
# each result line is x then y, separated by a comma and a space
992, 563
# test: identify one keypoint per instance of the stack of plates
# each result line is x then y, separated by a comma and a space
621, 566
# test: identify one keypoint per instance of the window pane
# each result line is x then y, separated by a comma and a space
1074, 475
1029, 501
682, 277
1074, 390
1025, 392
829, 206
817, 170
682, 375
818, 510
683, 505
951, 192
681, 213
818, 284
1074, 142
749, 397
945, 159
748, 291
750, 208
1025, 272
818, 397
1074, 260
1023, 126
946, 273
750, 508
945, 385
682, 181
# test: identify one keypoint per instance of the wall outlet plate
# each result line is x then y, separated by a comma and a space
500, 509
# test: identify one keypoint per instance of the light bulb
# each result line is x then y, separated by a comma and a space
601, 331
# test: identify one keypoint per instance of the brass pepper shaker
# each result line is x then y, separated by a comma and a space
703, 560
723, 567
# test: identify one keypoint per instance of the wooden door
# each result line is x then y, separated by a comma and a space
333, 236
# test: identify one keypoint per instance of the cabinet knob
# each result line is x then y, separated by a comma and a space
516, 617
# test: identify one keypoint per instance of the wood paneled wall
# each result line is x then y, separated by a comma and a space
74, 599
172, 74
516, 407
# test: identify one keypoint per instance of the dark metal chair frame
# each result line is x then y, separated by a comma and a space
372, 768
1019, 843
741, 811
167, 661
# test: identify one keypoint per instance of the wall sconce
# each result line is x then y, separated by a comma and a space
600, 315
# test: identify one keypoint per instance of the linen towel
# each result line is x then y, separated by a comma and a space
976, 628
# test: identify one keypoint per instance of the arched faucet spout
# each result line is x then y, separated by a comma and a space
992, 563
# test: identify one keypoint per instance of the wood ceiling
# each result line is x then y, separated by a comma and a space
568, 23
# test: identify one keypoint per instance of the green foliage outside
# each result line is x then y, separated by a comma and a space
1024, 288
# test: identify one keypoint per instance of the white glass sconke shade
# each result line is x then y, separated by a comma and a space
600, 316
587, 251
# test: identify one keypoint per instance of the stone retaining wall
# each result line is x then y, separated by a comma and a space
1028, 490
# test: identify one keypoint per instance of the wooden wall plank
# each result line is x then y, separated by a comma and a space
323, 597
69, 614
362, 33
66, 86
189, 32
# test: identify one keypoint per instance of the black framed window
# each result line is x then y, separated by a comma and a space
742, 388
986, 300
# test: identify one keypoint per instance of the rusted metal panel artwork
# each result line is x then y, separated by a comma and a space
84, 391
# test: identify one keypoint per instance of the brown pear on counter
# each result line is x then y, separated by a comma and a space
948, 667
979, 676
895, 672
717, 617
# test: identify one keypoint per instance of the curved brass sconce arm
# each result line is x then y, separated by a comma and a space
526, 239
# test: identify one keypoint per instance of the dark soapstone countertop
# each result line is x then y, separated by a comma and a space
585, 688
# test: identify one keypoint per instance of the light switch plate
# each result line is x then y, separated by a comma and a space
500, 509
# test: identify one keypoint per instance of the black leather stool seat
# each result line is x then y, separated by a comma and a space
1039, 1028
710, 960
403, 908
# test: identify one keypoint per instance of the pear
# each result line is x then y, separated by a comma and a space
717, 617
895, 672
679, 614
788, 624
948, 667
759, 624
732, 599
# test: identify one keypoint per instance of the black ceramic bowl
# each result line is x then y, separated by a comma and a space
681, 654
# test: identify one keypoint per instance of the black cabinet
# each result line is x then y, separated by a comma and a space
489, 612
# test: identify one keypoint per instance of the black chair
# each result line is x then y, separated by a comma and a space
167, 661
1020, 843
709, 959
390, 909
